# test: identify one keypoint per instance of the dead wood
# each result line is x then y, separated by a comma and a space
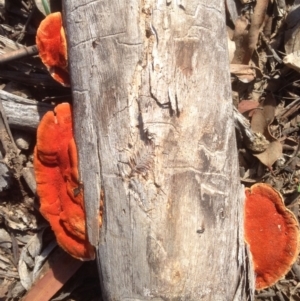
21, 112
157, 73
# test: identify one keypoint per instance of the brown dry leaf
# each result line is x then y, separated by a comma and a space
268, 26
4, 288
262, 118
240, 39
257, 20
271, 154
231, 46
247, 105
269, 106
258, 122
244, 73
245, 40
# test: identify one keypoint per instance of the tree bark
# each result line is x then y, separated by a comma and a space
154, 129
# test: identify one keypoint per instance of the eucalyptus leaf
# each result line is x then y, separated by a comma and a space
43, 6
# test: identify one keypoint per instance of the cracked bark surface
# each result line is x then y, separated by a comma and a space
154, 129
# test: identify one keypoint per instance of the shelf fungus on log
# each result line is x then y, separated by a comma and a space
272, 233
52, 46
58, 186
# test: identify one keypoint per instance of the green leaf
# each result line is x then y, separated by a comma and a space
43, 6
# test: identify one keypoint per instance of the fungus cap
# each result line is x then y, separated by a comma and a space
52, 46
272, 232
58, 186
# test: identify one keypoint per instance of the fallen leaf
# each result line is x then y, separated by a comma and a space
244, 73
269, 105
27, 257
257, 20
231, 47
271, 154
247, 105
258, 122
262, 118
240, 38
4, 288
246, 38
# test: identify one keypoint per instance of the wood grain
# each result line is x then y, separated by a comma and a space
23, 113
150, 82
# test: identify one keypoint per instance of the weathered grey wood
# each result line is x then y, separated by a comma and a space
232, 7
9, 45
23, 113
154, 129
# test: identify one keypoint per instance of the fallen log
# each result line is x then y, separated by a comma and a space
155, 133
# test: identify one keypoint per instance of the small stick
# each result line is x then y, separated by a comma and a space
17, 54
6, 137
11, 156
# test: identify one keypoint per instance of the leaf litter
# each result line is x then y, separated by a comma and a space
32, 267
266, 36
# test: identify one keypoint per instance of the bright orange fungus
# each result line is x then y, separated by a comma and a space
52, 46
272, 232
61, 195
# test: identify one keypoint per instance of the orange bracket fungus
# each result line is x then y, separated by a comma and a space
52, 46
58, 186
272, 232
